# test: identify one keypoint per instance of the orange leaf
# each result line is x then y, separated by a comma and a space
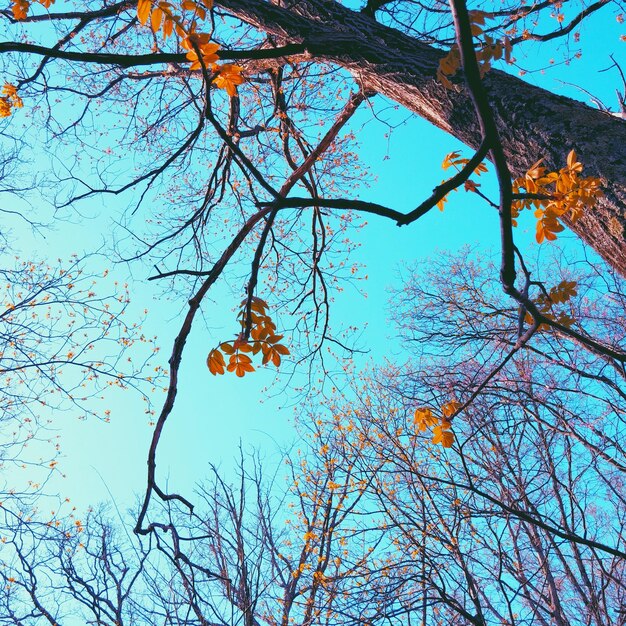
195, 39
571, 159
143, 11
423, 418
444, 437
228, 77
227, 348
240, 364
215, 362
450, 408
450, 159
168, 26
20, 11
155, 19
447, 439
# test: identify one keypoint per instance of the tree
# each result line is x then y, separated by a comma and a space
530, 121
520, 521
166, 76
501, 526
64, 350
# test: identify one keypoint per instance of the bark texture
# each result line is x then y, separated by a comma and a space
533, 123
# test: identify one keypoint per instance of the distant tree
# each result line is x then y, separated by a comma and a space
254, 165
64, 347
521, 519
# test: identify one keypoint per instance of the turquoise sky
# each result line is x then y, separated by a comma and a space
213, 415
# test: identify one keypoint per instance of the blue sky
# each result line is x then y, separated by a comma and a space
213, 415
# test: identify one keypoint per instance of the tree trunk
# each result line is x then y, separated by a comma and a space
533, 123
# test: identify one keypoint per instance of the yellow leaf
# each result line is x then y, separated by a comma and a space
5, 107
228, 77
571, 159
534, 171
9, 100
450, 159
215, 362
155, 19
143, 11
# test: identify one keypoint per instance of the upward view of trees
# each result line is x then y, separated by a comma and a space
520, 522
477, 481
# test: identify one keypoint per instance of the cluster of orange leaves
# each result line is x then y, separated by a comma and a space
454, 159
552, 194
9, 100
227, 76
487, 51
201, 52
20, 7
559, 294
264, 340
555, 194
163, 17
442, 427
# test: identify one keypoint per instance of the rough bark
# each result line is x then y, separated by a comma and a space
532, 122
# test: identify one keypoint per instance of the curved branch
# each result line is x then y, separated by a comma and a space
174, 361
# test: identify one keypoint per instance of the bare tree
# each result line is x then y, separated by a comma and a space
264, 161
521, 520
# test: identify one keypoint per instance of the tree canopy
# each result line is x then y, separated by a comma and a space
441, 491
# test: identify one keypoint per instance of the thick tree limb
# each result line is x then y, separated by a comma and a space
531, 122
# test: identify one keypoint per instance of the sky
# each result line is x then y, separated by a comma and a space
214, 416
